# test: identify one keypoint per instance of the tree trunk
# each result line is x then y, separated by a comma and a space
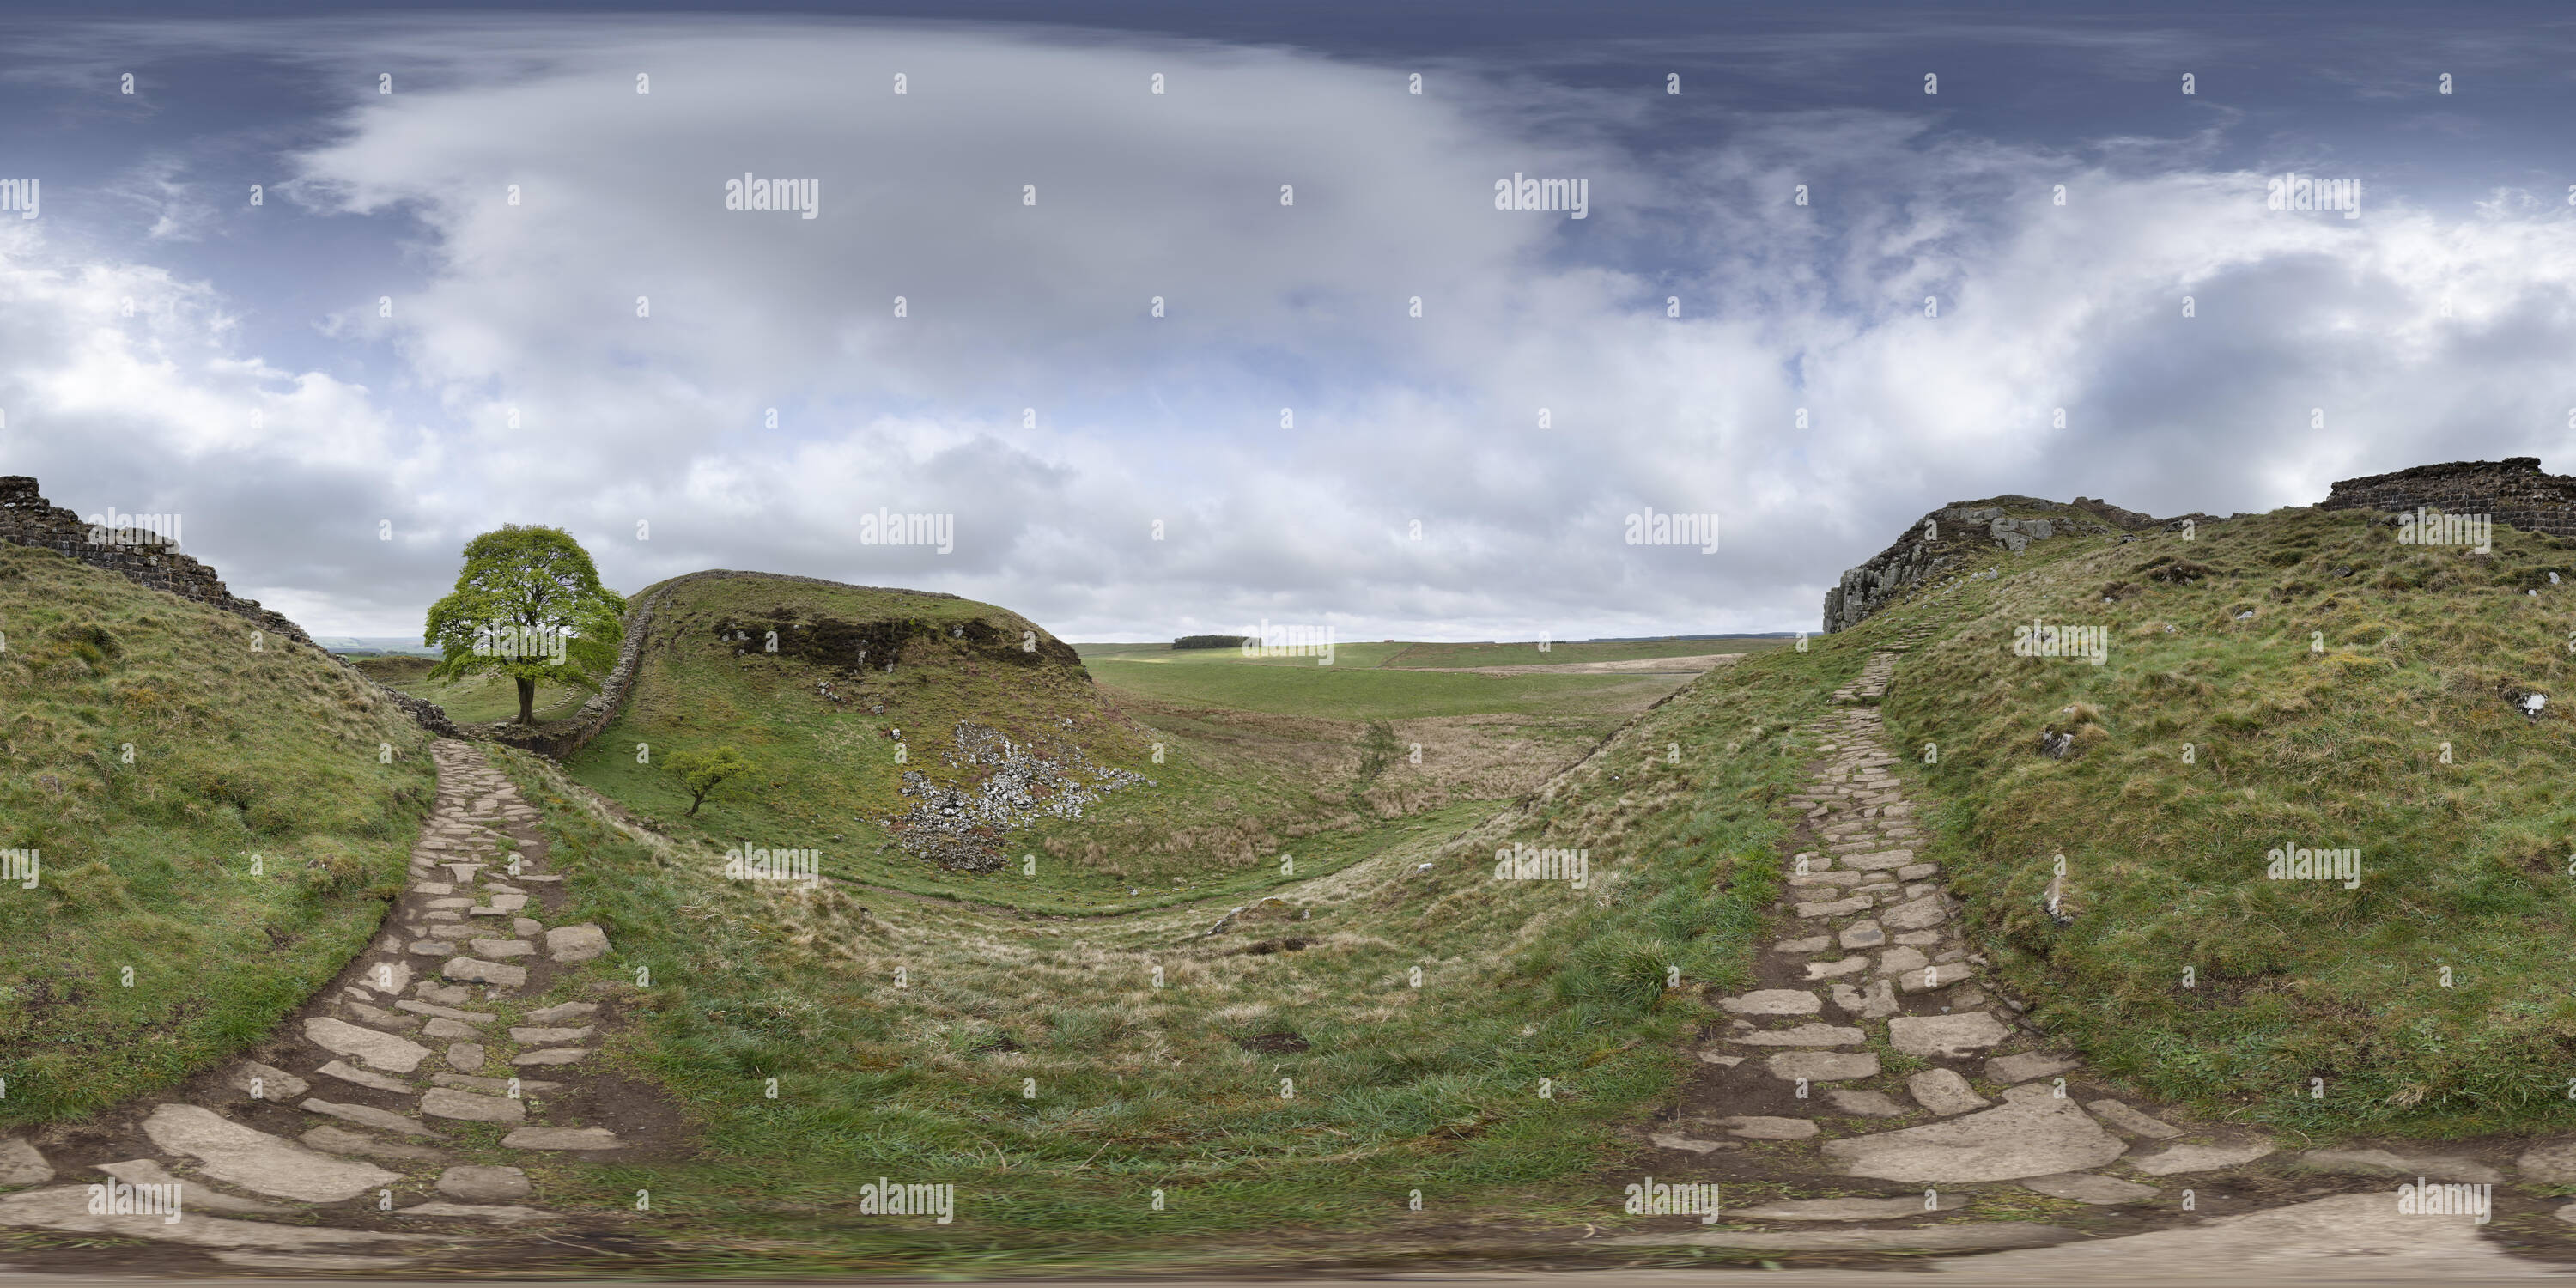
527, 701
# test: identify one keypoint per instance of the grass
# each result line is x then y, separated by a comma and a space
218, 821
2366, 703
1179, 1087
1560, 652
1240, 799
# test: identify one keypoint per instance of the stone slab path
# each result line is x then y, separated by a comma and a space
1871, 968
430, 1030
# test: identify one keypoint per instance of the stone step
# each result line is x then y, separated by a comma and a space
253, 1160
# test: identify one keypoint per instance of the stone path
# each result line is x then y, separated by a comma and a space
428, 1030
1874, 967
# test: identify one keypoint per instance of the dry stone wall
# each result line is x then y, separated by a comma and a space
2514, 491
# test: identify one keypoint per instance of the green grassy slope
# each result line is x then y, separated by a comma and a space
470, 699
1036, 1064
2368, 702
147, 862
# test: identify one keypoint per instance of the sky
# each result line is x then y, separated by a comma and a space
341, 291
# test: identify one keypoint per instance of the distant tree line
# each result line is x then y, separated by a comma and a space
1210, 641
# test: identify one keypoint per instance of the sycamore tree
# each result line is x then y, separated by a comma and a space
529, 606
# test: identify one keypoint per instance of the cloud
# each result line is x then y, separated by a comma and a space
1043, 311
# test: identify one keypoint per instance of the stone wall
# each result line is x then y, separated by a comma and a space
2512, 490
27, 519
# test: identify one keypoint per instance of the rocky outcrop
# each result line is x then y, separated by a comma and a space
148, 559
1958, 532
2513, 491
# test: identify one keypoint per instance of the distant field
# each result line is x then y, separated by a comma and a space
472, 699
1527, 653
1360, 693
1346, 657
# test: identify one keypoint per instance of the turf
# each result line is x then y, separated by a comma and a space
221, 822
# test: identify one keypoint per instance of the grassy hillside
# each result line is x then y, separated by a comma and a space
1231, 796
151, 758
1286, 1085
2296, 679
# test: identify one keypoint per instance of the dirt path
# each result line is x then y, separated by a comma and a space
400, 1112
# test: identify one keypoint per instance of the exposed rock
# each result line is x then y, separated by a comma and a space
2346, 1237
2123, 1118
1881, 861
473, 1184
1916, 914
368, 1116
1755, 1127
1945, 1035
536, 1036
273, 1083
1674, 1140
2549, 1162
2026, 1066
1862, 934
1875, 1003
1837, 969
474, 970
380, 1050
1941, 975
2028, 1136
1822, 1066
361, 1077
1774, 1001
1864, 1104
465, 1056
1836, 908
21, 1164
449, 1102
1805, 1035
565, 1011
576, 943
256, 1161
2175, 1159
194, 1196
66, 1208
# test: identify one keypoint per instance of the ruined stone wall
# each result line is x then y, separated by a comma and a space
26, 519
2512, 490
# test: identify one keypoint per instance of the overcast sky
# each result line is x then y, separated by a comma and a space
345, 357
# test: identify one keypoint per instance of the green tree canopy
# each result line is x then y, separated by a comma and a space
700, 771
528, 605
